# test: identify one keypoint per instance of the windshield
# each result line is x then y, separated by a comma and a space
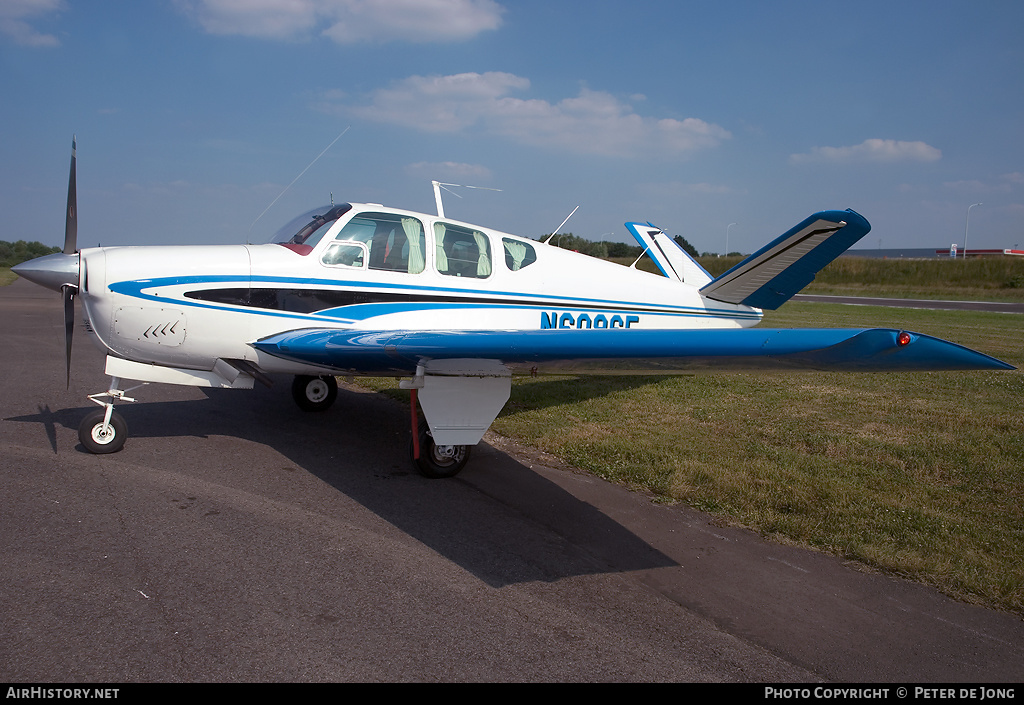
308, 228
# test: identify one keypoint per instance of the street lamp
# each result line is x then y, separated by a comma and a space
727, 238
968, 226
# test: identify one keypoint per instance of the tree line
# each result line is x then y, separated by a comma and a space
12, 253
605, 249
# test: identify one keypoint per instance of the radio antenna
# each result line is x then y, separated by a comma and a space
438, 185
299, 177
563, 223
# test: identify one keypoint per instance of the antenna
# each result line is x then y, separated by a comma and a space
563, 223
300, 176
633, 266
438, 185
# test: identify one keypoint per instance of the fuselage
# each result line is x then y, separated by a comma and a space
367, 267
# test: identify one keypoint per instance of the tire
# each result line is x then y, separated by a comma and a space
314, 393
437, 462
99, 439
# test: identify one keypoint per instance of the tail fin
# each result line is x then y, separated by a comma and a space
780, 269
672, 260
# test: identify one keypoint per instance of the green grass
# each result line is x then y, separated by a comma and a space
7, 276
919, 475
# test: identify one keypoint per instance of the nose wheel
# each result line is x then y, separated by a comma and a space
103, 433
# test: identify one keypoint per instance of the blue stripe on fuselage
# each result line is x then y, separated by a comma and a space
136, 289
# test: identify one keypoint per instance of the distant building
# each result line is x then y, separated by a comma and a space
928, 253
982, 253
899, 253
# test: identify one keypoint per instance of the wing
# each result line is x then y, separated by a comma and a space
624, 351
780, 269
464, 376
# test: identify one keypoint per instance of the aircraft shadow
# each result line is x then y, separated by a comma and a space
548, 392
556, 391
499, 520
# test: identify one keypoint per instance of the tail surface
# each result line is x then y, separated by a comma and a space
672, 260
780, 269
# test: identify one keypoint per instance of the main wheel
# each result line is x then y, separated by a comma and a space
98, 437
314, 393
438, 461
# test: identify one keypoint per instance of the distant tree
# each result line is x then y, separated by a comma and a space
687, 247
622, 249
12, 253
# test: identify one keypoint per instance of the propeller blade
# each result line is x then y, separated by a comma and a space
71, 224
69, 325
70, 248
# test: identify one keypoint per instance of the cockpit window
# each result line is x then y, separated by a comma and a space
301, 234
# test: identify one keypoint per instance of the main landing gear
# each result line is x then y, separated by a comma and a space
314, 393
436, 461
433, 460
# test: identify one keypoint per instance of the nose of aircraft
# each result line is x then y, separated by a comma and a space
52, 271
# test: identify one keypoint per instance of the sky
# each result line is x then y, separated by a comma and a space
207, 121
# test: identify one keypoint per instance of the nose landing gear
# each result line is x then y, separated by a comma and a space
104, 430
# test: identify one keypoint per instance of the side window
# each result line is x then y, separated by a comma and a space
461, 252
346, 254
518, 254
392, 242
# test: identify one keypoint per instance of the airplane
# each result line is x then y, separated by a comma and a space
452, 309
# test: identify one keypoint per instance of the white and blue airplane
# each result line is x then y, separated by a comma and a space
453, 309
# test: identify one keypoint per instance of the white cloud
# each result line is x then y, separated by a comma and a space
707, 189
968, 186
871, 150
347, 21
669, 191
593, 122
448, 170
13, 16
1004, 183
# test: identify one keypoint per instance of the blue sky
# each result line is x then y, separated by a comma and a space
192, 116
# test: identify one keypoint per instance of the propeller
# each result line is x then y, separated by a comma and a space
69, 291
60, 271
